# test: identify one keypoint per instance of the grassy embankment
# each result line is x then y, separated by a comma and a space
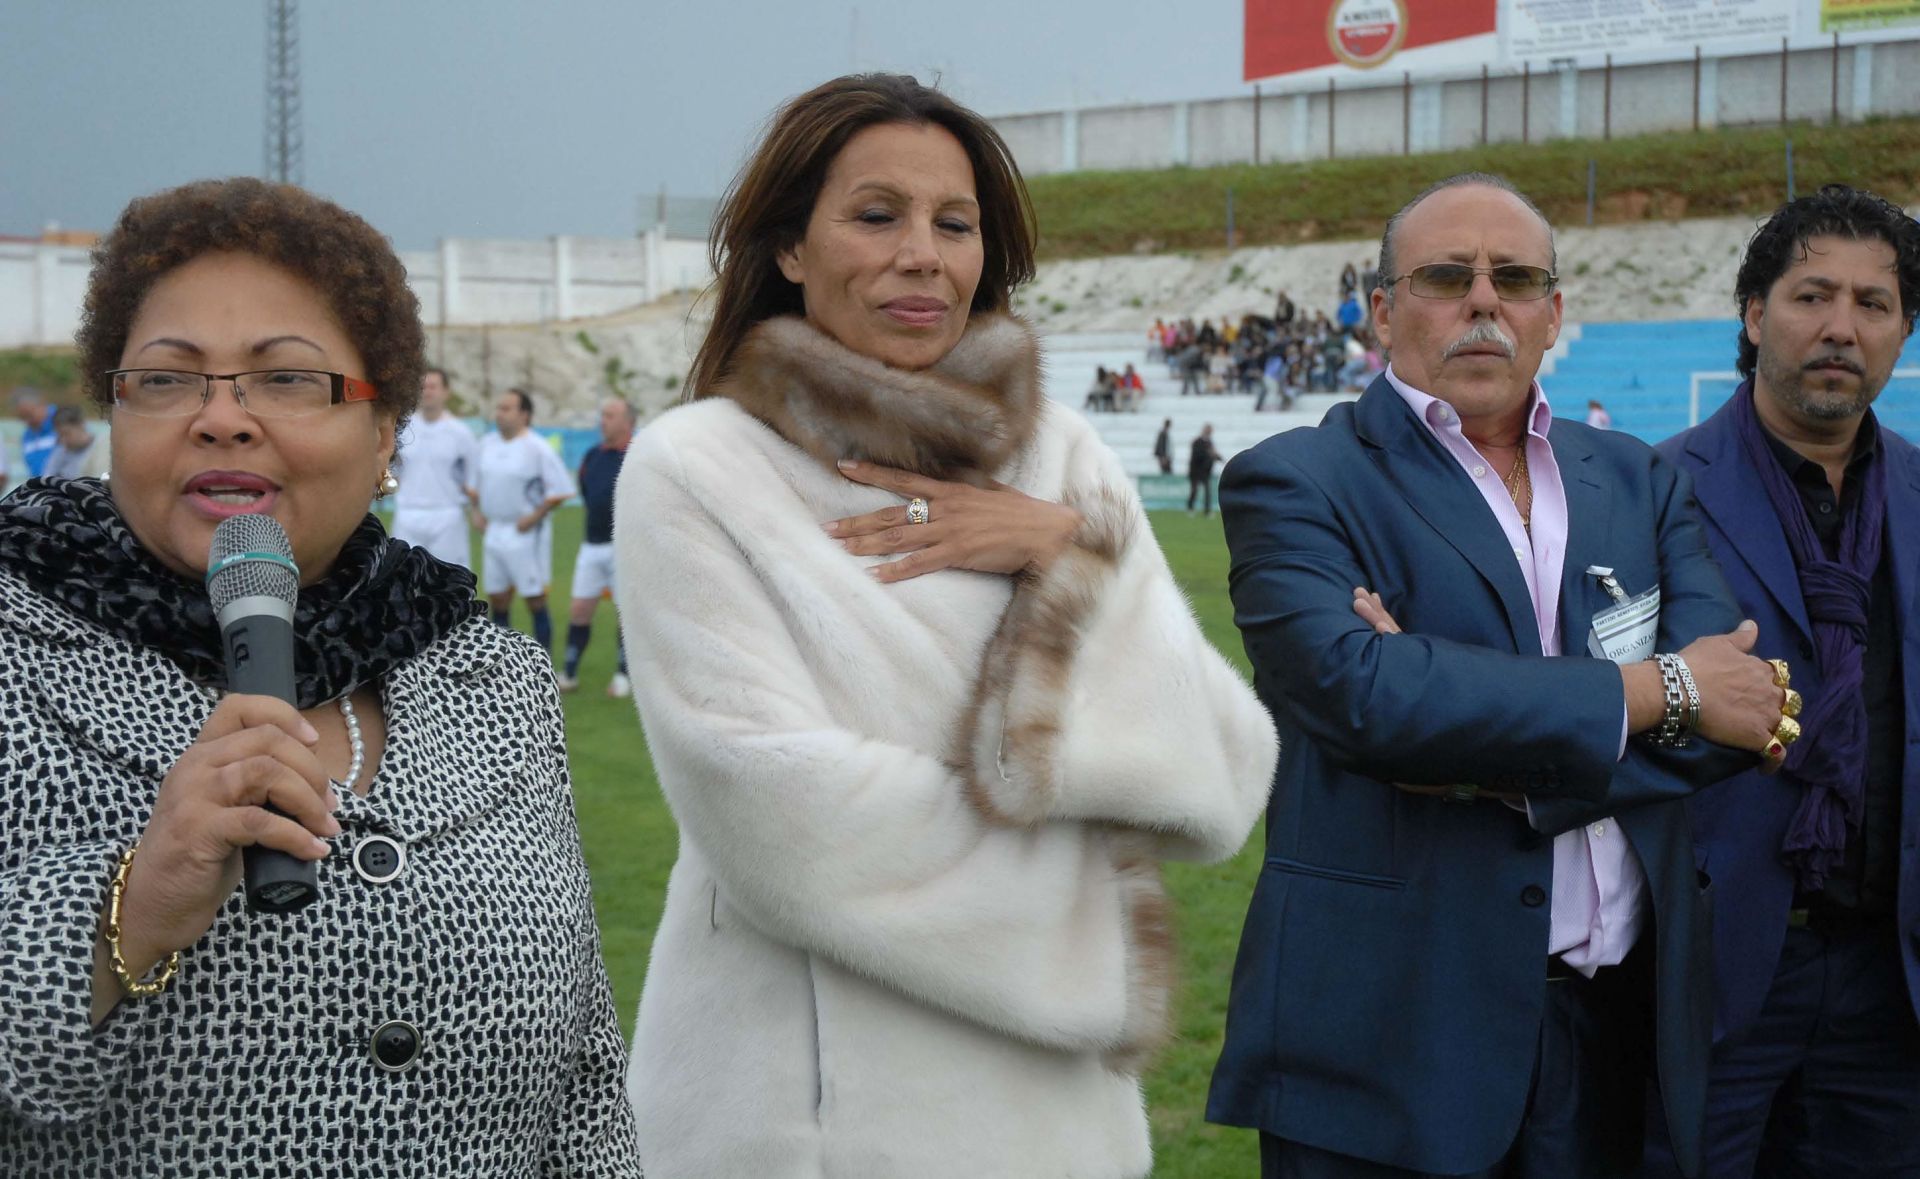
1649, 177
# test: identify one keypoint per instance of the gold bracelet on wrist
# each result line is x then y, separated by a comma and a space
128, 983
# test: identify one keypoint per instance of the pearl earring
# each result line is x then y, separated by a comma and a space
388, 484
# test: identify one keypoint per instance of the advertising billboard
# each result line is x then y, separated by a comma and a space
1540, 30
1850, 16
1298, 36
1314, 39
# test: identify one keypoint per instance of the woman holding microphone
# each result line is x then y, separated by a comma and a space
441, 1008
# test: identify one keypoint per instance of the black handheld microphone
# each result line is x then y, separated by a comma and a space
253, 583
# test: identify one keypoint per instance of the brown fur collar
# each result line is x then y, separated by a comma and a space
961, 419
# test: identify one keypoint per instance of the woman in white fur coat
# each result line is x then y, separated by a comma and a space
921, 691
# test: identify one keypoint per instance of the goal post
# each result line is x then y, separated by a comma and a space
1900, 399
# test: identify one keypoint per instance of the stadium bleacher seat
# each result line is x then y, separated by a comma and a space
1643, 373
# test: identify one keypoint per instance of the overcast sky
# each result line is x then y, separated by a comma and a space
478, 118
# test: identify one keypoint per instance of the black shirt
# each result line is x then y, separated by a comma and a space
598, 470
1869, 880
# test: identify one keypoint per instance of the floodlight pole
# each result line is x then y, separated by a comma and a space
284, 142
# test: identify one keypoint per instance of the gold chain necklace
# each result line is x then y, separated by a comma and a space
1520, 487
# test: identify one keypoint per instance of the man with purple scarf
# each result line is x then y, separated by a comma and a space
1813, 511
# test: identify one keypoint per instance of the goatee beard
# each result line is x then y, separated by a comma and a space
1791, 387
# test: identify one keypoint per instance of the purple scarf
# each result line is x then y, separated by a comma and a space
1829, 762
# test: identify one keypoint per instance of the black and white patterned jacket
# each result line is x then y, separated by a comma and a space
257, 1061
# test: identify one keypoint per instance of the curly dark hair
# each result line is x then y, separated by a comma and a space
349, 262
1835, 211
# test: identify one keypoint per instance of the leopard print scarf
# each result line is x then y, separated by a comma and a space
383, 602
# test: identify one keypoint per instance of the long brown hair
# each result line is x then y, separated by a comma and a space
770, 202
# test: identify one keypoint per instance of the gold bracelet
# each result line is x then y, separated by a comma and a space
128, 983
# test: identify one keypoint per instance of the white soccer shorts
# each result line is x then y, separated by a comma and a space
440, 531
593, 571
515, 560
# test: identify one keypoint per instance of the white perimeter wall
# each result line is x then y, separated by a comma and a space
1387, 116
464, 281
41, 288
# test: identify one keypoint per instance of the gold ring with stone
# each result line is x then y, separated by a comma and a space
1774, 753
1782, 675
1791, 706
1788, 731
918, 511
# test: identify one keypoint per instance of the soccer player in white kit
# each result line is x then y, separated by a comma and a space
435, 463
517, 482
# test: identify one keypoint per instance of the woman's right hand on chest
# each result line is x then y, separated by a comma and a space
252, 752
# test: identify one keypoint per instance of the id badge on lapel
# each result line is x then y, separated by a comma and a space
1625, 631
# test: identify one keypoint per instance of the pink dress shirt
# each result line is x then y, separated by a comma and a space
1599, 886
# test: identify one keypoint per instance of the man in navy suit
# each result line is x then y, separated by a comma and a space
1479, 929
1813, 510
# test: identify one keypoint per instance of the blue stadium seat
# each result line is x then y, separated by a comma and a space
1642, 373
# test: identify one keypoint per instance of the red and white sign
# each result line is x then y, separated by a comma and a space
1295, 36
1364, 33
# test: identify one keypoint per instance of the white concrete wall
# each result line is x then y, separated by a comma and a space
1127, 137
683, 265
1034, 141
492, 281
516, 281
41, 289
1874, 79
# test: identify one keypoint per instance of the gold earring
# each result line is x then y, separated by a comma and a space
388, 484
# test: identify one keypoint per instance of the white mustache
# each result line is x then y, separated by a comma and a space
1484, 332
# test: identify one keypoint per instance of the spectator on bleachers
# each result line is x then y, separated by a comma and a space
1332, 355
1248, 361
1132, 390
1299, 369
1350, 314
1598, 417
1376, 359
1363, 361
1156, 340
1219, 369
1163, 447
1369, 279
1349, 281
1193, 367
1100, 394
1274, 380
1283, 311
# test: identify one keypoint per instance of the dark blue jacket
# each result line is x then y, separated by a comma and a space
1740, 824
1391, 980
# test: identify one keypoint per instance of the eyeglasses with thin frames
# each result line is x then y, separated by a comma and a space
265, 393
1513, 282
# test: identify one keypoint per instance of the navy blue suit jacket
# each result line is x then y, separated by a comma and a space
1740, 824
1391, 979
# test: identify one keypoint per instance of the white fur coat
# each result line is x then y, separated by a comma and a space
916, 927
